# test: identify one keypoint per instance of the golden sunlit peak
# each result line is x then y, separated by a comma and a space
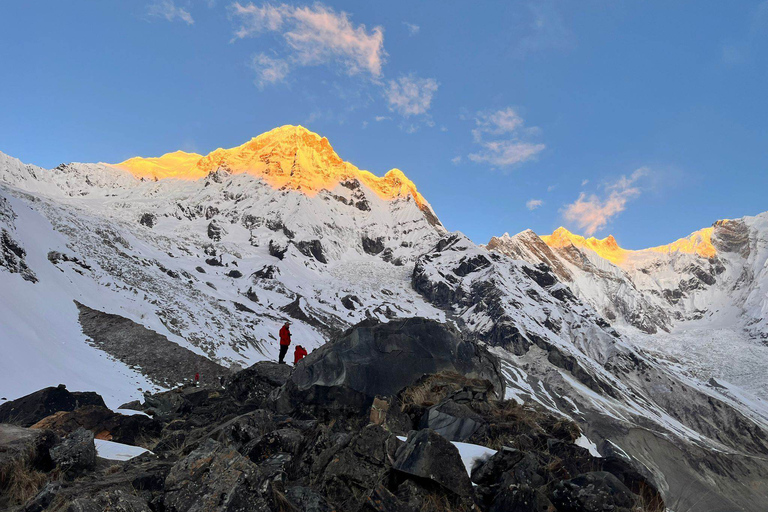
699, 242
607, 248
288, 156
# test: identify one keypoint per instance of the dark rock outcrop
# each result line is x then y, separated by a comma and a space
76, 454
29, 409
427, 454
381, 359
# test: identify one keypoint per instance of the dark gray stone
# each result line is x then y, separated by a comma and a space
427, 454
76, 454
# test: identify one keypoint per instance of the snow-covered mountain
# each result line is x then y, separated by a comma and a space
124, 277
717, 274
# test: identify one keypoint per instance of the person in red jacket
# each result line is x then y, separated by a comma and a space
285, 341
299, 354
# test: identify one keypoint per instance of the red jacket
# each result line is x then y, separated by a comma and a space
299, 354
285, 335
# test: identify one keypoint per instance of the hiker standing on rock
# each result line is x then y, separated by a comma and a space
285, 341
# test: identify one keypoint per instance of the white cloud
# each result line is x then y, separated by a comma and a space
497, 123
532, 204
584, 182
269, 70
382, 118
170, 11
593, 213
315, 35
551, 188
412, 29
506, 153
410, 95
456, 160
508, 145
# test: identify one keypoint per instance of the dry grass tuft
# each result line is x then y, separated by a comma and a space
434, 388
19, 482
281, 502
440, 503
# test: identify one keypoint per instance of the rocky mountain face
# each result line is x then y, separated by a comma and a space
716, 275
345, 439
132, 277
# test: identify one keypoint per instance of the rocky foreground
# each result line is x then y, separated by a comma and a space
403, 416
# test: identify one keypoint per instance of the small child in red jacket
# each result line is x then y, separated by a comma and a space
298, 354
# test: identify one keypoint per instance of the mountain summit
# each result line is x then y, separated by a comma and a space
288, 156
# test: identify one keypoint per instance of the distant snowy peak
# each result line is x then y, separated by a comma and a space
716, 273
288, 156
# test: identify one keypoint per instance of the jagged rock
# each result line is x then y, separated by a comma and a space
382, 500
360, 462
307, 500
592, 492
277, 249
351, 302
148, 219
284, 440
312, 249
522, 499
12, 256
426, 454
76, 454
381, 359
253, 386
266, 272
113, 501
244, 430
213, 478
453, 421
30, 409
215, 231
373, 245
235, 274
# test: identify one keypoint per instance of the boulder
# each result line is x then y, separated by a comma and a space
376, 358
453, 421
592, 492
29, 409
213, 478
253, 385
76, 454
427, 454
355, 464
307, 500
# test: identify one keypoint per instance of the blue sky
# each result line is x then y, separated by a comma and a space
646, 120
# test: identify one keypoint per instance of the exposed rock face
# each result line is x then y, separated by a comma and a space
28, 410
76, 454
429, 455
163, 361
12, 257
103, 423
380, 359
213, 478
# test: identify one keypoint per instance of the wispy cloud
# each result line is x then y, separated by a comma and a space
379, 119
593, 213
410, 95
545, 30
269, 70
532, 204
509, 145
170, 11
456, 160
315, 35
412, 29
